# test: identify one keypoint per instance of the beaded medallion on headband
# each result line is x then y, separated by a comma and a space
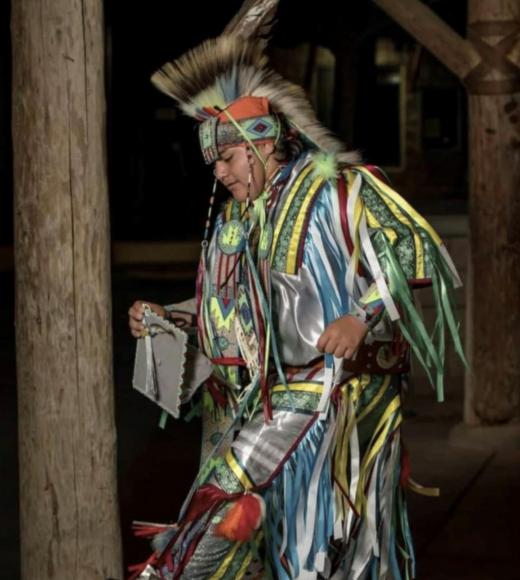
214, 133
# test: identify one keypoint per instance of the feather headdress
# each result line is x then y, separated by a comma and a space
207, 79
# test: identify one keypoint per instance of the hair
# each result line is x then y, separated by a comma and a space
289, 145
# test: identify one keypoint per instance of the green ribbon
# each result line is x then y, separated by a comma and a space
429, 350
258, 212
447, 301
413, 327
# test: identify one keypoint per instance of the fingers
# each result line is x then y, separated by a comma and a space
340, 348
343, 337
136, 328
135, 317
341, 351
136, 311
322, 342
337, 345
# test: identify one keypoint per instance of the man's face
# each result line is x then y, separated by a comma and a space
233, 167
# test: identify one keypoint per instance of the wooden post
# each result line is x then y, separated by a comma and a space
494, 145
487, 63
67, 441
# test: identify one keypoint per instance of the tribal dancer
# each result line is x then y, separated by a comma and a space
305, 307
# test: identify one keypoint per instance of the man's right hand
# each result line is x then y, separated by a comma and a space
135, 316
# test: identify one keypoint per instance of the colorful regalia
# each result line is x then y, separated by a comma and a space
303, 473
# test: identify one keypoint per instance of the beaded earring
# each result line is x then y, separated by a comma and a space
208, 217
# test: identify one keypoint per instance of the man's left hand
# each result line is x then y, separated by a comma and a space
343, 337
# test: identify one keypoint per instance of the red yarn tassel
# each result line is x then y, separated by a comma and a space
242, 519
149, 530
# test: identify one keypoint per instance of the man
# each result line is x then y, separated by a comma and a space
304, 306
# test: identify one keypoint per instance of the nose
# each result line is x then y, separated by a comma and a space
220, 170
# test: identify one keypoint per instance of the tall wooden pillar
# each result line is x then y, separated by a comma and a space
67, 441
494, 145
488, 64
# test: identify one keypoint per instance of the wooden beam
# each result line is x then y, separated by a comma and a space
455, 52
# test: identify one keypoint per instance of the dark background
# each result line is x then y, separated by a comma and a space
159, 189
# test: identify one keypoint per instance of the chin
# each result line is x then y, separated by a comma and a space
239, 193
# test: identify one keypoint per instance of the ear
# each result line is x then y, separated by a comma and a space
266, 149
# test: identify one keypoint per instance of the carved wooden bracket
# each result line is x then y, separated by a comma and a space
474, 60
494, 58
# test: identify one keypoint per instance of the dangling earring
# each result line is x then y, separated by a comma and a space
249, 180
210, 212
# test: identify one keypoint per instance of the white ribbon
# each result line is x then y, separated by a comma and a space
375, 268
331, 376
451, 266
305, 534
151, 384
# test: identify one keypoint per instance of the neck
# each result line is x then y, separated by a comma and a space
271, 171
